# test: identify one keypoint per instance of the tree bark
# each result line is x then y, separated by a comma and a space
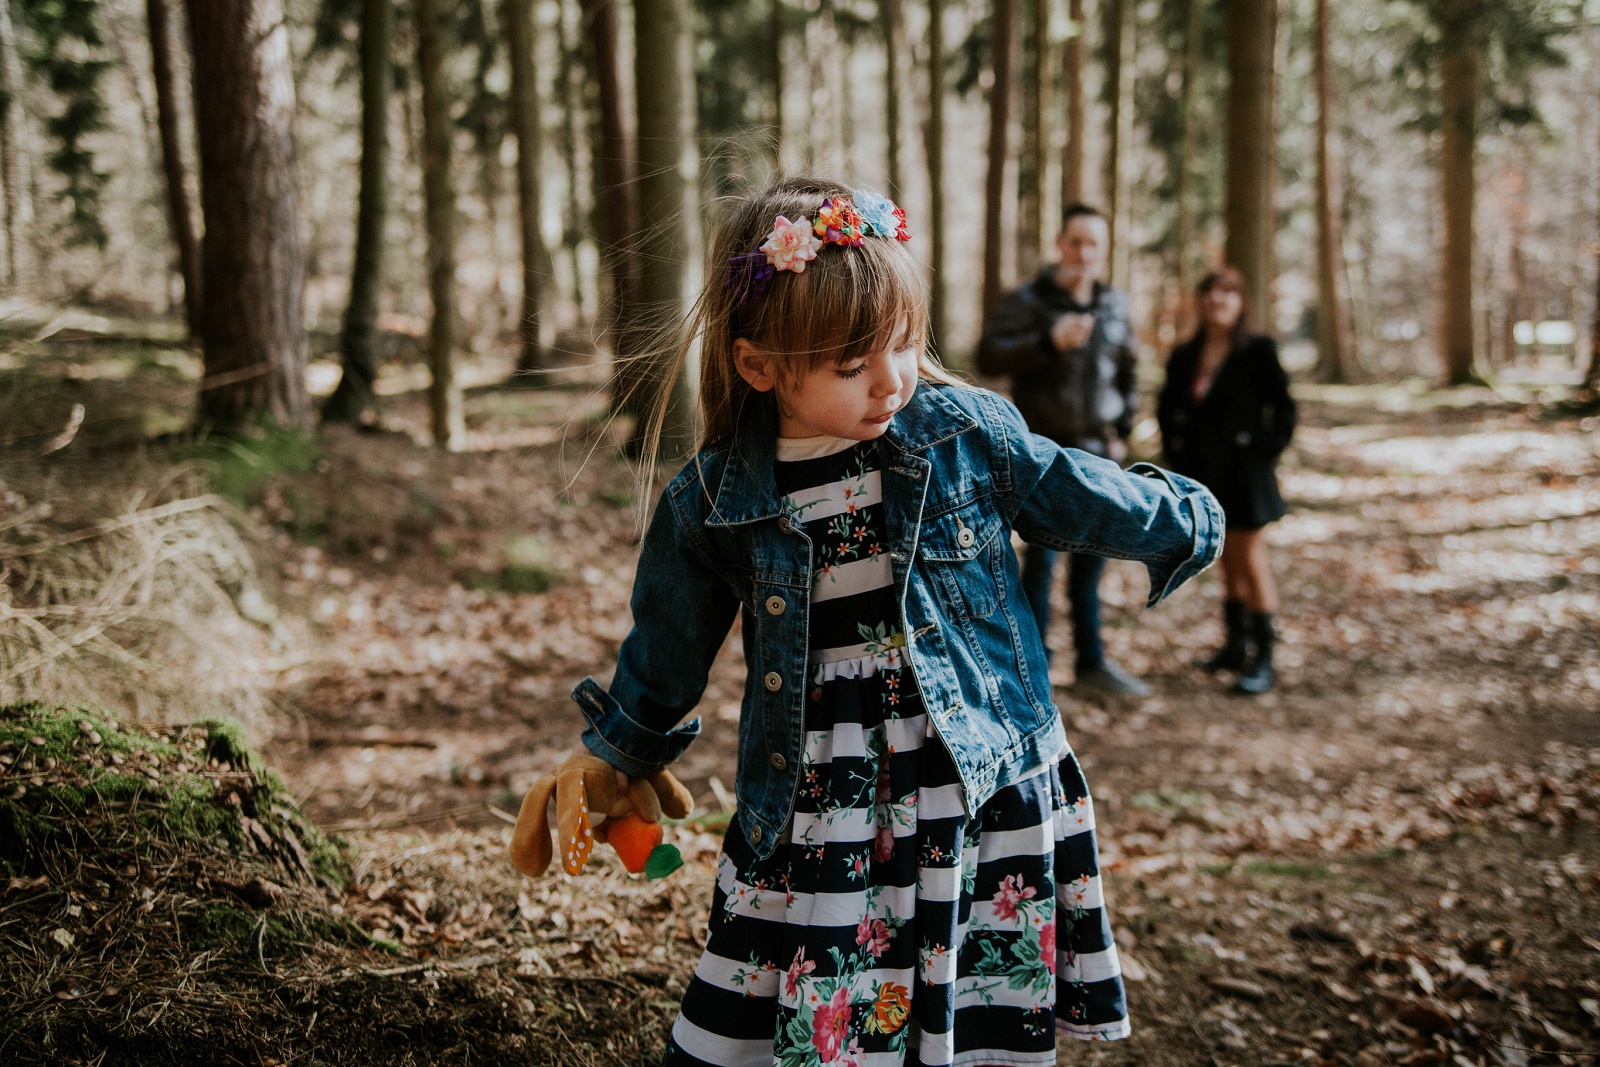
520, 38
1591, 377
934, 142
1333, 320
1002, 47
1119, 81
1250, 60
439, 196
897, 57
252, 264
1030, 172
1459, 91
1194, 33
1073, 52
11, 151
180, 211
615, 207
668, 229
354, 400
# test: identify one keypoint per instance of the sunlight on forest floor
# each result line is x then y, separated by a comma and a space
1394, 858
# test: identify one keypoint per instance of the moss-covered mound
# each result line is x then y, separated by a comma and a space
164, 901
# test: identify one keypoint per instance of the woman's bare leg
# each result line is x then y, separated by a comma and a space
1257, 589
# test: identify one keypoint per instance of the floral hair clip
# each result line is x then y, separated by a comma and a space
841, 220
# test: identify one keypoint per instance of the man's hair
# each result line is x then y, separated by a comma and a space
1078, 211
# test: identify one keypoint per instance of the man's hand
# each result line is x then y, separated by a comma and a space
1071, 331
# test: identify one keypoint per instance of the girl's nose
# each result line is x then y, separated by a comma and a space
888, 380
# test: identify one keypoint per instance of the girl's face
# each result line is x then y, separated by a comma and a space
855, 400
1221, 307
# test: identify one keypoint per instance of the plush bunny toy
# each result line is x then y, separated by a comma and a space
631, 821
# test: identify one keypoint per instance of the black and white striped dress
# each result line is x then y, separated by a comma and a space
889, 928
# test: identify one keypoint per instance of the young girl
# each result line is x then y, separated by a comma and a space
911, 874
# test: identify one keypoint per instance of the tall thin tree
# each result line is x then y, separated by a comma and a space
667, 220
1002, 50
11, 148
439, 209
897, 65
1030, 167
1333, 318
252, 264
518, 16
1250, 60
614, 198
1460, 60
354, 400
1074, 54
777, 40
180, 211
1194, 33
1119, 129
934, 146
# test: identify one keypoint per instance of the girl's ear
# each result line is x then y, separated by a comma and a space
755, 366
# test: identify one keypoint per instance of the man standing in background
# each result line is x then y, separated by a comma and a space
1065, 341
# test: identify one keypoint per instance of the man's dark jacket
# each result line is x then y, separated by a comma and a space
1084, 398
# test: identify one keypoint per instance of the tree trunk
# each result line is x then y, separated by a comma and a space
1269, 200
1002, 47
1591, 377
1119, 82
1250, 60
439, 209
1030, 172
1333, 320
354, 400
11, 124
1194, 31
613, 161
520, 38
668, 218
1458, 187
1072, 63
777, 35
897, 62
252, 265
934, 141
180, 211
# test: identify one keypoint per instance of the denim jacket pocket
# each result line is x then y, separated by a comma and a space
959, 549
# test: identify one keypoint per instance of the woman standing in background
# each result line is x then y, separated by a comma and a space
1226, 415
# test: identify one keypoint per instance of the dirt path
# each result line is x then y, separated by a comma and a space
1394, 858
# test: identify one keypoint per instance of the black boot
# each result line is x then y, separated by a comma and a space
1257, 676
1231, 656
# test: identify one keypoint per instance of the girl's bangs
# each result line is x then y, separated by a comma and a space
848, 304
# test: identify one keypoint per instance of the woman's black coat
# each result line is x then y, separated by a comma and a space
1230, 441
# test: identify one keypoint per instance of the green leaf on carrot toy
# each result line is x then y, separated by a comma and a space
664, 859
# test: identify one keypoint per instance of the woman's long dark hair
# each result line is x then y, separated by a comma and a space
1229, 279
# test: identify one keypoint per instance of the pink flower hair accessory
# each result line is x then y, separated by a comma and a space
841, 220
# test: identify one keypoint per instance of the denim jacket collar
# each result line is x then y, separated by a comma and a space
748, 492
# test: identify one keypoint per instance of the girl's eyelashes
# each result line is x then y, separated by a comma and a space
852, 371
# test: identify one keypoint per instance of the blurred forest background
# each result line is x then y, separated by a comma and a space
1412, 185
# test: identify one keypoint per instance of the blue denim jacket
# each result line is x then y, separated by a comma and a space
960, 472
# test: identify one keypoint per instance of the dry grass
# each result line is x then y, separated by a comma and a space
156, 609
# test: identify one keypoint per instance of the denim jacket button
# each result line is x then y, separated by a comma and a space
785, 525
755, 835
773, 681
779, 763
775, 605
965, 537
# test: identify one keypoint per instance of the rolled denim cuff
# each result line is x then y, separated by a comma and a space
1209, 529
630, 747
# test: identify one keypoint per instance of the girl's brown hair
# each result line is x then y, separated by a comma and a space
1229, 280
848, 302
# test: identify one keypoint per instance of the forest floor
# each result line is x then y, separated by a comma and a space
1394, 858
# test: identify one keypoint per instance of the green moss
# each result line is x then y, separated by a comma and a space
1287, 869
241, 465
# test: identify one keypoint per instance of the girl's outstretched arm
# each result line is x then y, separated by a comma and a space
683, 606
1071, 501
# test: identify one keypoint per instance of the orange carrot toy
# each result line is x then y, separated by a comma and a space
631, 822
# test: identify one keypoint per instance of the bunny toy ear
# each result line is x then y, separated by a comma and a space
530, 841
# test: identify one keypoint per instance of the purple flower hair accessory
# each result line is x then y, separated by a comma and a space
749, 275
